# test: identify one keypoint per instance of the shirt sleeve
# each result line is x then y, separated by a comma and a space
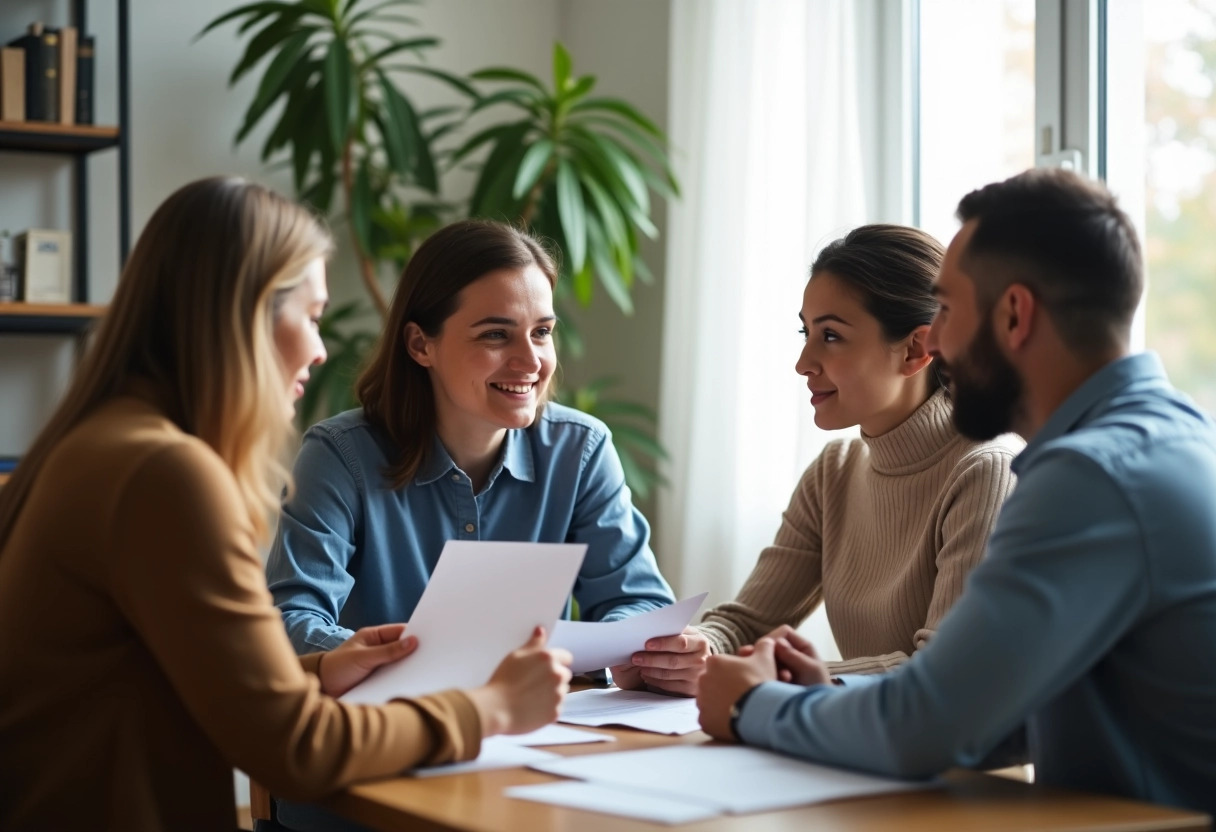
187, 577
1064, 576
619, 576
307, 568
786, 584
970, 505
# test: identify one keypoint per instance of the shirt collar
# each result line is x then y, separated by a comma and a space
1098, 388
516, 459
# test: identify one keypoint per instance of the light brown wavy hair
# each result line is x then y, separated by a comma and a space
193, 315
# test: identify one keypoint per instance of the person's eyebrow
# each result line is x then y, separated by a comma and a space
509, 321
937, 291
830, 317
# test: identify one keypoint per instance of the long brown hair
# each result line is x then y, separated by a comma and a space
395, 390
193, 315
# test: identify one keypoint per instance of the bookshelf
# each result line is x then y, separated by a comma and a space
75, 144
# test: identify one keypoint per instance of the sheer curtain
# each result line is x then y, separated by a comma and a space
766, 131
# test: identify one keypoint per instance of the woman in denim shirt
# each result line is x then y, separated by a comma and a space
456, 441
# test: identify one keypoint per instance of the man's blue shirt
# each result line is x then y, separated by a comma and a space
1092, 618
351, 551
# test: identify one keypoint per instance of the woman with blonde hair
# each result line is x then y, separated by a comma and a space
141, 658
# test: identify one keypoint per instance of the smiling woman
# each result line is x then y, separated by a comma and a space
882, 529
456, 440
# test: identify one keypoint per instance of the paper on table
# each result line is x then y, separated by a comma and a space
632, 708
482, 601
554, 735
630, 803
599, 644
732, 778
494, 754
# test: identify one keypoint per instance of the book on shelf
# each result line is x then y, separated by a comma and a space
67, 75
12, 84
8, 464
41, 47
44, 259
84, 79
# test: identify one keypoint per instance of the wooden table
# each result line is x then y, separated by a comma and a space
969, 801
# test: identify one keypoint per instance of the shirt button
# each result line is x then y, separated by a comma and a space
468, 527
455, 477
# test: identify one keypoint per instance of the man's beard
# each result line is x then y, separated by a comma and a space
985, 388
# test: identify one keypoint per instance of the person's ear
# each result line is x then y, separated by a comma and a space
417, 344
916, 352
1016, 312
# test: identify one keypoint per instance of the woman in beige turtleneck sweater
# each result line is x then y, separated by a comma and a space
882, 529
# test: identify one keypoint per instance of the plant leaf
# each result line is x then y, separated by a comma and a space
621, 108
338, 98
501, 73
258, 11
270, 36
487, 135
582, 284
522, 98
606, 270
400, 46
498, 174
561, 68
531, 168
454, 81
286, 67
573, 213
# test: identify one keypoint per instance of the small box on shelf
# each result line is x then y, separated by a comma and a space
44, 260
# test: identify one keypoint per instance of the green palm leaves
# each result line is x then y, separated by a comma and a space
575, 168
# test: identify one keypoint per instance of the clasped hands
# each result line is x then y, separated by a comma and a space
783, 655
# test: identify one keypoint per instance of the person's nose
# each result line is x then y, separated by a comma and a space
807, 363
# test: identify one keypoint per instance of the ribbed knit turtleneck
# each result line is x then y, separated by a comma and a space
882, 529
917, 442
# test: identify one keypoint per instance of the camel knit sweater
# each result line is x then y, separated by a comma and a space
883, 530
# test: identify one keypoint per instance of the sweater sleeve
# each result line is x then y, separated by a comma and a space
787, 582
186, 574
971, 502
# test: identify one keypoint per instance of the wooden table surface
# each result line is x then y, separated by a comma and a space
969, 801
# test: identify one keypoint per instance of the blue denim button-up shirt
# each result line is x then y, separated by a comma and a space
351, 551
1092, 618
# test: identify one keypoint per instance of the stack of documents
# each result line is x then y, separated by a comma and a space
632, 709
683, 783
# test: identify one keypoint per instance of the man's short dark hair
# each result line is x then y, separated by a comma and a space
1065, 238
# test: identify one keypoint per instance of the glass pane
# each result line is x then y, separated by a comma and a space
976, 101
1179, 54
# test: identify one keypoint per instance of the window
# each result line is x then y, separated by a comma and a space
976, 93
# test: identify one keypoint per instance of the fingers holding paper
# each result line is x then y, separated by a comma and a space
672, 663
349, 664
526, 690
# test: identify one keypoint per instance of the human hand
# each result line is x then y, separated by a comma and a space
726, 679
797, 660
350, 663
526, 690
670, 663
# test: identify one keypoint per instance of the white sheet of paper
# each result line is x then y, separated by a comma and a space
734, 779
599, 644
632, 708
482, 602
554, 734
494, 754
610, 800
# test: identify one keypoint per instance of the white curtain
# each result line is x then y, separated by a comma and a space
766, 137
